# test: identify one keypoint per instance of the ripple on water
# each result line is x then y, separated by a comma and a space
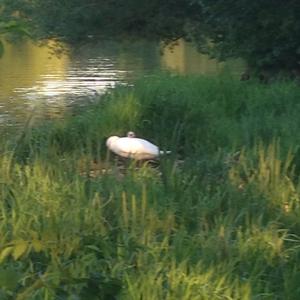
35, 84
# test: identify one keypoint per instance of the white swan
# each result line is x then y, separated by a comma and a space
132, 147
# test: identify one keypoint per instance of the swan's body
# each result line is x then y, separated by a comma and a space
132, 147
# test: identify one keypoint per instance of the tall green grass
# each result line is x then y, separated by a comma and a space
217, 219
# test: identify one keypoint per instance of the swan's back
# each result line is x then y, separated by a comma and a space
133, 148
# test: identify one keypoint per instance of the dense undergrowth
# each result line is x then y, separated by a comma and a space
217, 219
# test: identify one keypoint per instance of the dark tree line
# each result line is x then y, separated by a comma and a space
265, 33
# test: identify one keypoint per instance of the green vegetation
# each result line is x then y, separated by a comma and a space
12, 24
263, 33
218, 219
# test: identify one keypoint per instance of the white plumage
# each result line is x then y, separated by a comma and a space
132, 147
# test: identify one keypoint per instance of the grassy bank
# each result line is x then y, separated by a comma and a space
217, 219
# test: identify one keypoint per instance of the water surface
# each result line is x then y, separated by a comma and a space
36, 82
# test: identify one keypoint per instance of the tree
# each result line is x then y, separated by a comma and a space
75, 20
266, 34
12, 25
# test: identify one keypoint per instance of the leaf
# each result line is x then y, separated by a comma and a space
9, 279
5, 252
1, 49
37, 245
19, 249
93, 247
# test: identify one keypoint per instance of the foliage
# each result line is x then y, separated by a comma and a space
76, 20
219, 218
11, 26
264, 33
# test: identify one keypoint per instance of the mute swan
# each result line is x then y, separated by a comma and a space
132, 147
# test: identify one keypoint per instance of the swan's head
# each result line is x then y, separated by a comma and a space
111, 140
130, 134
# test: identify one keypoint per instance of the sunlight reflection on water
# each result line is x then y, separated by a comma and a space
33, 81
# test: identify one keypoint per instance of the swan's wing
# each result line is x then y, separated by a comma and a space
135, 148
147, 147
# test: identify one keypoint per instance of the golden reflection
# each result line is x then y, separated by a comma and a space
34, 82
25, 65
184, 58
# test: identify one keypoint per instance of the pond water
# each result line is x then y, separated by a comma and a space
36, 82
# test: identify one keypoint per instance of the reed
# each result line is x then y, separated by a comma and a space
217, 219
